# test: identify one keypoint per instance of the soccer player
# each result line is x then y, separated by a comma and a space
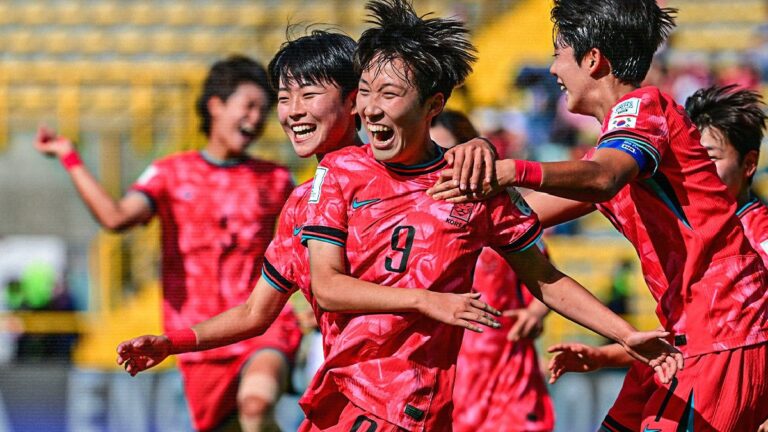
316, 108
370, 222
731, 122
499, 385
217, 209
650, 176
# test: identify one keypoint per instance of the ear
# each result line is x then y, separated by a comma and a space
352, 99
597, 64
436, 104
750, 163
215, 106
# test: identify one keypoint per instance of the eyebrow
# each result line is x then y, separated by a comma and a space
385, 85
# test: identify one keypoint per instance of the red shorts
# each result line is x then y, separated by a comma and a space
211, 388
721, 391
502, 389
341, 415
626, 413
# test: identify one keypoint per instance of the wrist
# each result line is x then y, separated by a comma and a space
420, 300
70, 160
182, 341
505, 172
528, 174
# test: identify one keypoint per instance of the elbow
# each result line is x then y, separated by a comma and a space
114, 224
323, 295
257, 325
604, 188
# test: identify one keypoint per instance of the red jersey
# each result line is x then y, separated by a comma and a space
286, 263
499, 384
401, 367
216, 220
754, 218
708, 281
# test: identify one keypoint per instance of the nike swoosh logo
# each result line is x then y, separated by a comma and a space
645, 429
357, 204
296, 230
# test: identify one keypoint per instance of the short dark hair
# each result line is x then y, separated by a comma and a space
627, 32
321, 57
736, 113
223, 79
457, 124
436, 51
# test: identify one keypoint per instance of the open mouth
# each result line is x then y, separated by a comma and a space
303, 130
248, 131
381, 134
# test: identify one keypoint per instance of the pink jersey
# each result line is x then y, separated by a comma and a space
754, 218
216, 220
708, 281
499, 385
401, 367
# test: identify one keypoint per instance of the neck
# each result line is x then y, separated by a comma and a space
744, 196
349, 140
609, 95
221, 154
425, 151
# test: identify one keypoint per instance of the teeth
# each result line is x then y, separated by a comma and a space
302, 128
378, 128
562, 87
247, 129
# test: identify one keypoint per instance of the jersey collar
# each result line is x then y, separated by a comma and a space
435, 164
222, 163
752, 203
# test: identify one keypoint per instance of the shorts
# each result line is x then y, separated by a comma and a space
338, 414
721, 391
211, 388
626, 413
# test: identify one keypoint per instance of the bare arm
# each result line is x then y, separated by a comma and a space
241, 322
111, 214
336, 291
553, 210
595, 180
573, 301
576, 357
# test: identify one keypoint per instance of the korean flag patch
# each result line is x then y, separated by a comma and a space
627, 122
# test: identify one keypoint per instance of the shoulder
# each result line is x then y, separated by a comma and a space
300, 193
178, 160
347, 157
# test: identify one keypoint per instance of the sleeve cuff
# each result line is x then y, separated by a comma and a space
325, 234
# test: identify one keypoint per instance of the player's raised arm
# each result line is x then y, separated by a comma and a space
338, 292
568, 298
241, 322
553, 210
111, 214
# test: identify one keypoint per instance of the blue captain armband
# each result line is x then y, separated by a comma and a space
633, 148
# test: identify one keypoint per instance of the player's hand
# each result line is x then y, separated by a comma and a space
527, 324
472, 175
49, 144
462, 310
650, 348
763, 427
573, 357
142, 353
